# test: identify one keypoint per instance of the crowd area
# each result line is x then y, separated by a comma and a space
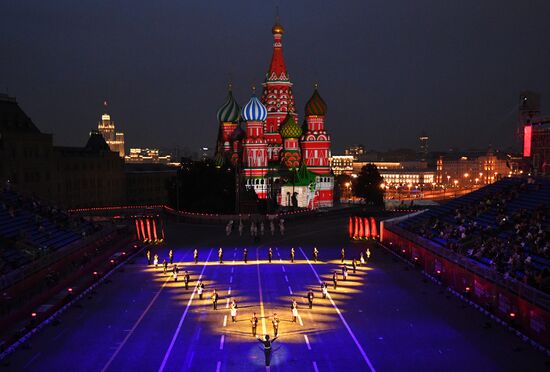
504, 226
31, 228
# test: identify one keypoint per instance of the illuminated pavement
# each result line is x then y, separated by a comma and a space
391, 317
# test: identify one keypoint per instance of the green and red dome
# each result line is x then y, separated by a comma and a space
289, 128
316, 106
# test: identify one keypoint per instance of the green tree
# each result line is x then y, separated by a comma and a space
342, 187
368, 186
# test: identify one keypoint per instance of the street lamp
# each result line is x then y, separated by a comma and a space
348, 190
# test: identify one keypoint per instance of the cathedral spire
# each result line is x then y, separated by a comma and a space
277, 69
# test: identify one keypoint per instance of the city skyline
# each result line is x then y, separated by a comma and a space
454, 71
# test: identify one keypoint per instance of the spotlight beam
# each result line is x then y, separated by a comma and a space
365, 357
176, 333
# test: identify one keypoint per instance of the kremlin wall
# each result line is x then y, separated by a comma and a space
71, 177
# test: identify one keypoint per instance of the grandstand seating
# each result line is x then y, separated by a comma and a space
30, 229
503, 225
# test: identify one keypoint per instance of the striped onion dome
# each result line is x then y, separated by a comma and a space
254, 110
316, 106
230, 110
289, 128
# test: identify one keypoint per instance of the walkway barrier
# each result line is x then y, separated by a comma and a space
194, 217
55, 315
523, 307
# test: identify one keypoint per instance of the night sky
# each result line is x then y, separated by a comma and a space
388, 70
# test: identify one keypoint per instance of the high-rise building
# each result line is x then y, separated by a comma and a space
423, 139
106, 127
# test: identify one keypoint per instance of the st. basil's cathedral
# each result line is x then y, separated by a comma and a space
279, 158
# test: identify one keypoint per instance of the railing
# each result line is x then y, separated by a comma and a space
195, 216
529, 293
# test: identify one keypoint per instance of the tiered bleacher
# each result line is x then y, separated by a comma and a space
504, 226
30, 229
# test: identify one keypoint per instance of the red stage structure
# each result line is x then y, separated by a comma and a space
362, 228
149, 229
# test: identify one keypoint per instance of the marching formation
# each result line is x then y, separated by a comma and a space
266, 341
257, 227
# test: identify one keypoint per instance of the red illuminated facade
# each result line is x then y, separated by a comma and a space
535, 134
255, 154
527, 133
275, 154
277, 96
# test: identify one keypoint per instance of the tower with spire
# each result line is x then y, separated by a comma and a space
276, 154
107, 128
277, 96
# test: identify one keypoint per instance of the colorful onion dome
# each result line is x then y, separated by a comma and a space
316, 106
289, 128
230, 110
254, 110
238, 134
